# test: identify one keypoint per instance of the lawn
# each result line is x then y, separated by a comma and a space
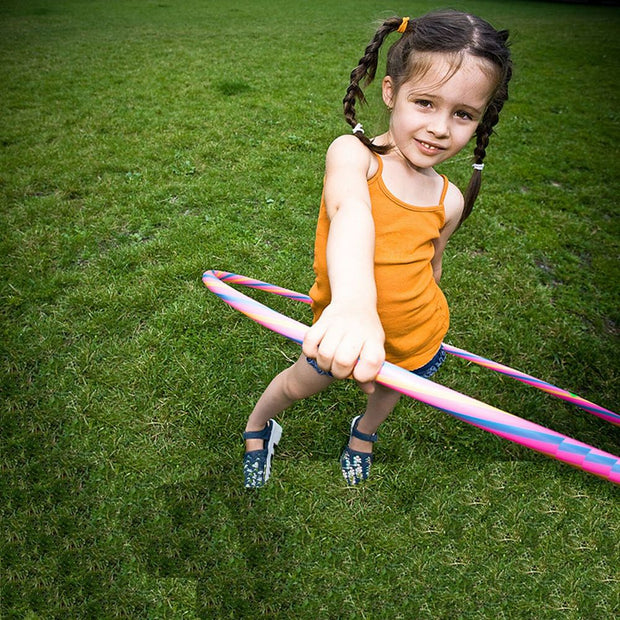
143, 142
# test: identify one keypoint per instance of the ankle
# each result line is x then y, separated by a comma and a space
364, 427
252, 444
361, 439
251, 427
359, 445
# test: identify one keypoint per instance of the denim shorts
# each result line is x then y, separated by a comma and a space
426, 371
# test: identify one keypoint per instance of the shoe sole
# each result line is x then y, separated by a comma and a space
274, 440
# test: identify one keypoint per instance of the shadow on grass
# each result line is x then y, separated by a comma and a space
216, 532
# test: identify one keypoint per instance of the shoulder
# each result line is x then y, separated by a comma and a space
347, 152
348, 165
453, 205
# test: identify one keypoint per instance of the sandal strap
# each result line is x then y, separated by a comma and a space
363, 436
257, 434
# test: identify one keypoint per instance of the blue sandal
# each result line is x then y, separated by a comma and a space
257, 463
355, 465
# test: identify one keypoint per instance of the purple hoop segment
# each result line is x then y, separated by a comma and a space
470, 410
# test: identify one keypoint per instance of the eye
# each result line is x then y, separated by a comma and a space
464, 115
423, 103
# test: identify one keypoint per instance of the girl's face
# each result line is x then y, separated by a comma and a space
433, 118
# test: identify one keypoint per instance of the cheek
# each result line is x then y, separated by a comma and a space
404, 121
467, 134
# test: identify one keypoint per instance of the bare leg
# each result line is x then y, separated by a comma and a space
296, 382
380, 404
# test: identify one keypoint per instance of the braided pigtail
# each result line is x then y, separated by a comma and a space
500, 56
484, 131
364, 74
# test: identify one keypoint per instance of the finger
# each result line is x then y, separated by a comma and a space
369, 364
327, 351
368, 387
345, 358
312, 340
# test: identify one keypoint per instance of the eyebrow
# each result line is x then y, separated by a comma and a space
470, 108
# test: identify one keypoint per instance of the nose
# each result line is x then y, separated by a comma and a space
438, 125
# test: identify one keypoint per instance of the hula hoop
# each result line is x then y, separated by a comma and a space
474, 412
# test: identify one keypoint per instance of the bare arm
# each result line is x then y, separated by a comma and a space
349, 328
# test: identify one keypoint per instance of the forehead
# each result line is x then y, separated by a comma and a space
464, 74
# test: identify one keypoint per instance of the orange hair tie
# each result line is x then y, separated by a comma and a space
403, 25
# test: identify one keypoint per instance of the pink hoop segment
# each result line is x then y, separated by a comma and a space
470, 410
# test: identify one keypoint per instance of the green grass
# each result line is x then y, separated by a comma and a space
143, 142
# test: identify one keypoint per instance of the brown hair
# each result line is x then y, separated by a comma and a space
449, 32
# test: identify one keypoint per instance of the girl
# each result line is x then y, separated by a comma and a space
384, 222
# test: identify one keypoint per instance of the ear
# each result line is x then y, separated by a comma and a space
388, 91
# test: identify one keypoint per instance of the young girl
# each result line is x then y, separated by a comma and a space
384, 222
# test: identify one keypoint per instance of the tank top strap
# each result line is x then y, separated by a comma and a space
444, 191
379, 173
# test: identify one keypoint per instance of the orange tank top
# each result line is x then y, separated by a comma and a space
412, 308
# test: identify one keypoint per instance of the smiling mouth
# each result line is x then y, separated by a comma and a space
430, 147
